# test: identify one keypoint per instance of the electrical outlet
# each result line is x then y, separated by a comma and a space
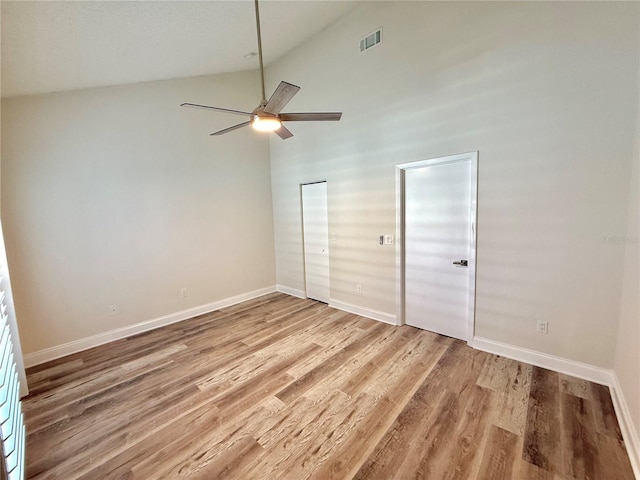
184, 293
113, 310
359, 289
542, 326
388, 239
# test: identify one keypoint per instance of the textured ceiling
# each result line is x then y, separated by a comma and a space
65, 45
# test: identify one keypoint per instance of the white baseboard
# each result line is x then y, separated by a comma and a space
627, 427
291, 291
544, 360
364, 312
75, 346
579, 370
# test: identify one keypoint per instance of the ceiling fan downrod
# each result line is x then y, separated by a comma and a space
263, 102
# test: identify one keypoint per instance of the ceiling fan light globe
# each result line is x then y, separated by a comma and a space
265, 124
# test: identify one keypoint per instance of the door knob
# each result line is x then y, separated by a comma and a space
462, 263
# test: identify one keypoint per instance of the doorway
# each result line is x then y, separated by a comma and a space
315, 228
437, 207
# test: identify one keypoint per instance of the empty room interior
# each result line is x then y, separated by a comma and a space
427, 266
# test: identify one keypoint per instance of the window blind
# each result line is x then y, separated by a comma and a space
12, 430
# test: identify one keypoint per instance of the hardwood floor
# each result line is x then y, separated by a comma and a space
280, 387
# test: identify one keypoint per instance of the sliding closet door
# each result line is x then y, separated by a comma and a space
315, 225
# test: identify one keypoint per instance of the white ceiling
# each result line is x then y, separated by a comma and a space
65, 45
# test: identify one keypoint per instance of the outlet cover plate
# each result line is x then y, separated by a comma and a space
542, 326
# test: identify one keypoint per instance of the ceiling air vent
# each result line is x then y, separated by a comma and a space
371, 40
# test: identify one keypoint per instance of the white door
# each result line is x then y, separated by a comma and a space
437, 222
315, 225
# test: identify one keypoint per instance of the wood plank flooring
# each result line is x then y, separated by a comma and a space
280, 387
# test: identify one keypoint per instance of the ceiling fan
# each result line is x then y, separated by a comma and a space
266, 116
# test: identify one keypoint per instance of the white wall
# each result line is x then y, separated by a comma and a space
119, 196
546, 92
627, 358
11, 314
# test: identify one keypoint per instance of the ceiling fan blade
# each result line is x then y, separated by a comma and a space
311, 117
217, 109
227, 130
283, 94
283, 132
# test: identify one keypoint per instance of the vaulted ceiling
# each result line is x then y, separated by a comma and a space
66, 45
